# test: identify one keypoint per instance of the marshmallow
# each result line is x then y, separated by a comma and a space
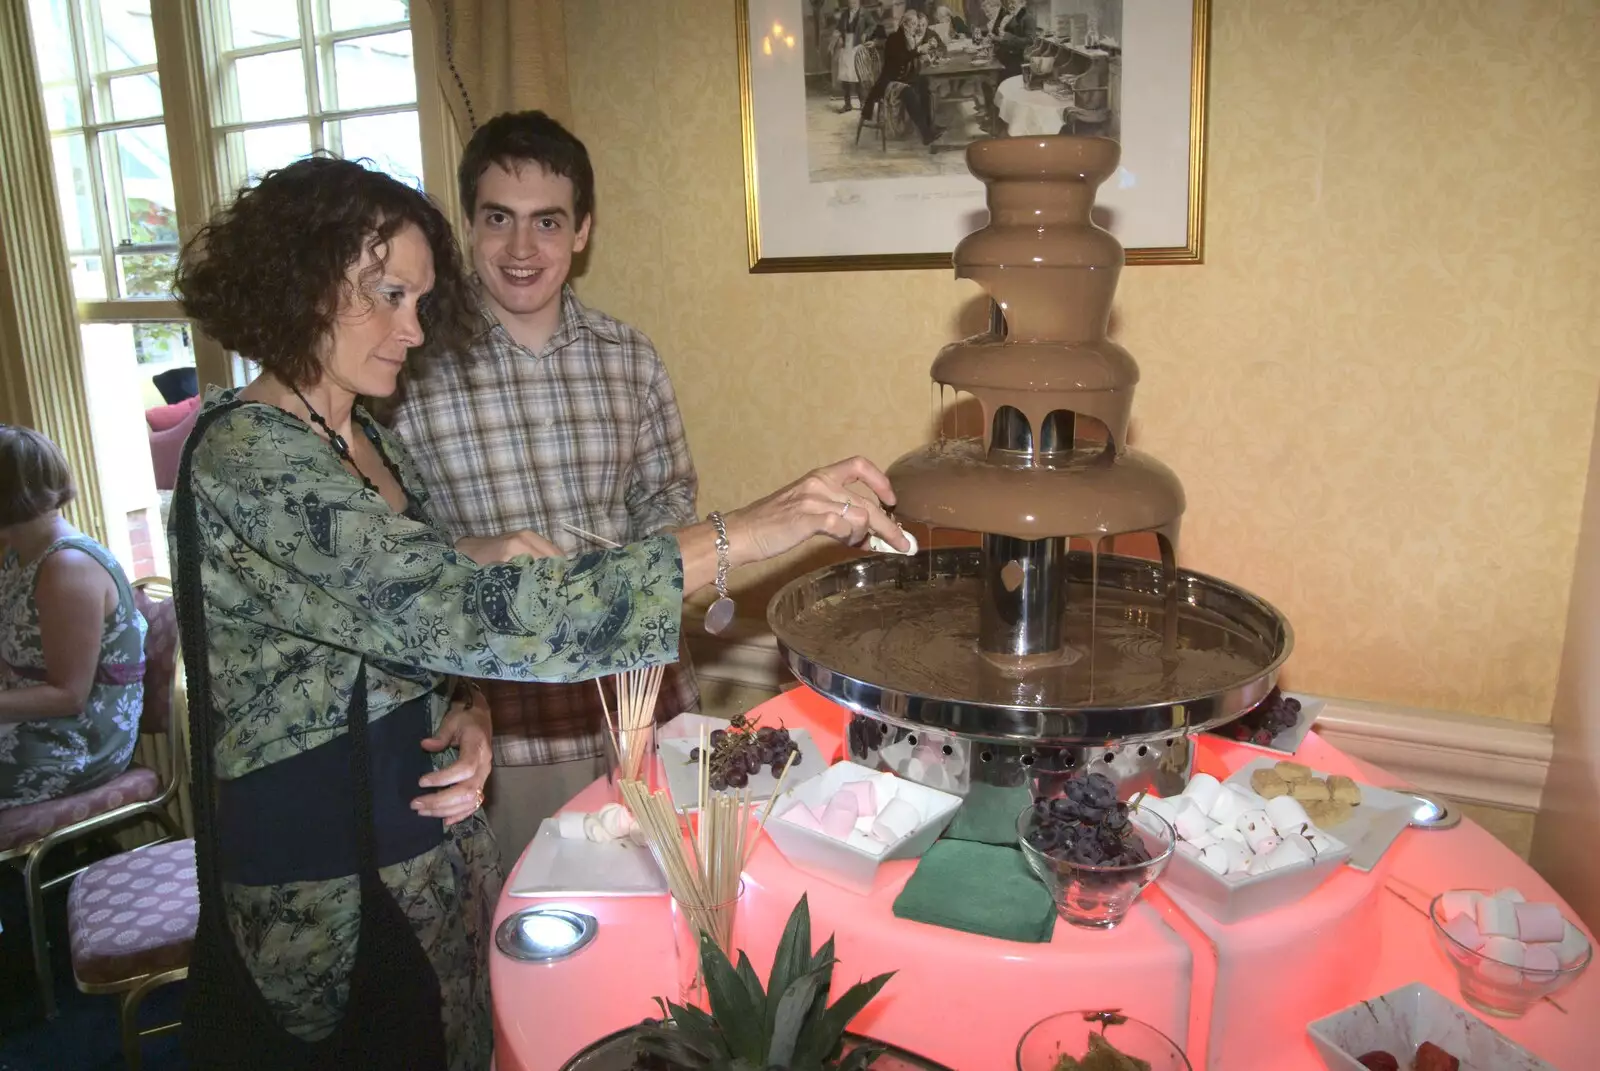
1188, 851
1541, 959
594, 830
1510, 894
1573, 947
1290, 852
802, 816
866, 796
839, 816
1192, 824
1158, 806
1539, 922
881, 546
570, 825
1230, 833
616, 821
1203, 841
1215, 859
1497, 917
1203, 790
1257, 829
1503, 957
1465, 932
1287, 815
1238, 857
1459, 902
1230, 804
896, 821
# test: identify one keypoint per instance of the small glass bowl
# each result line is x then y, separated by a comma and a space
1496, 988
1067, 1034
1098, 897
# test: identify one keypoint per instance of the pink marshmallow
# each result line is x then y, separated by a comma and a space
1497, 917
1465, 931
1503, 958
802, 816
839, 816
1541, 959
1459, 902
1573, 947
866, 795
1539, 922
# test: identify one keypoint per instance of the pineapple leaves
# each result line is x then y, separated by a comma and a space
752, 983
823, 1041
740, 1018
793, 1010
793, 957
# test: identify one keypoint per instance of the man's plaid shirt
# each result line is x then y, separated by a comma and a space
585, 432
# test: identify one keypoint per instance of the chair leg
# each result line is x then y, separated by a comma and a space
128, 1020
36, 928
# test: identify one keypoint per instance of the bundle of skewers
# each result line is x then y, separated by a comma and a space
703, 864
630, 721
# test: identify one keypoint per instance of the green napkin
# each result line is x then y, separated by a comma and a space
989, 814
978, 888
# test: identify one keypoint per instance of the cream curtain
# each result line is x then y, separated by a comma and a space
41, 352
492, 56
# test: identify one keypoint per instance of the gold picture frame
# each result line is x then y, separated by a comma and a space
776, 87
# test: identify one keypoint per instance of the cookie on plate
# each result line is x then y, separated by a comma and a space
1328, 813
1293, 771
1268, 784
1307, 791
1344, 789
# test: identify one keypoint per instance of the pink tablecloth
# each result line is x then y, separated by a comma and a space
1237, 996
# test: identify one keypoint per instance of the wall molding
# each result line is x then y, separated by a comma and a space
1488, 761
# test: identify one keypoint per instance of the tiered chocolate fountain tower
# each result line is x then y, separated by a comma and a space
1022, 660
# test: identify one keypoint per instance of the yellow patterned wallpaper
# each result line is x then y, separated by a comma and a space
1378, 390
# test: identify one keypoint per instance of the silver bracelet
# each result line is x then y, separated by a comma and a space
720, 616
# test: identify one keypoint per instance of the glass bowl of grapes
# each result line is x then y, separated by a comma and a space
1092, 853
1097, 1041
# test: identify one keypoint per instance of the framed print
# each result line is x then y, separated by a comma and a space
857, 114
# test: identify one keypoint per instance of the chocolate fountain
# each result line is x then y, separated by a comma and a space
1041, 651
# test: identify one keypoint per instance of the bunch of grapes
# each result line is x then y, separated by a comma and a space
1274, 716
1088, 826
744, 749
864, 734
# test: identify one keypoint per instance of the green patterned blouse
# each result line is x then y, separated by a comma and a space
306, 573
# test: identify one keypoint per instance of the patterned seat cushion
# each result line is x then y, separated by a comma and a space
29, 822
134, 914
160, 659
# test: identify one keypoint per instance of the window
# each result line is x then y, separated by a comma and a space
286, 77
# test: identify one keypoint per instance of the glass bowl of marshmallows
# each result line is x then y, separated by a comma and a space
1508, 953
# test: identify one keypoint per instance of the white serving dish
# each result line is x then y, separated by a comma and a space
1400, 1021
1287, 742
1369, 830
676, 739
1234, 897
853, 864
558, 866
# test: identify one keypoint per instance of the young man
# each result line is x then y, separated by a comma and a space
555, 416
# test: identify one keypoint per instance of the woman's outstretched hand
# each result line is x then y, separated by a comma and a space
460, 785
843, 501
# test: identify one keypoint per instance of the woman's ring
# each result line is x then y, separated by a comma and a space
845, 511
477, 799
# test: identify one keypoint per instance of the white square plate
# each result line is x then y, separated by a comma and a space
1368, 831
1400, 1021
681, 735
556, 866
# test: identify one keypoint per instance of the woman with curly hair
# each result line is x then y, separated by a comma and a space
347, 878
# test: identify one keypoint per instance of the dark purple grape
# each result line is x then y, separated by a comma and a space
694, 754
797, 757
718, 736
766, 734
739, 779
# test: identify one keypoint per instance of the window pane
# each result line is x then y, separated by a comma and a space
259, 151
146, 275
260, 22
352, 14
52, 41
74, 192
61, 107
138, 177
130, 40
137, 96
88, 279
267, 87
134, 466
370, 72
391, 142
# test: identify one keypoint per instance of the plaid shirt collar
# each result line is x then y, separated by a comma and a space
576, 319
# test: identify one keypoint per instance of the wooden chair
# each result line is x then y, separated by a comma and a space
893, 120
29, 832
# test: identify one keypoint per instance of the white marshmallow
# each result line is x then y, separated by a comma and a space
1459, 902
594, 830
1497, 917
570, 825
1573, 947
1542, 960
881, 546
896, 821
1513, 895
1256, 827
1203, 841
1238, 857
866, 798
1539, 922
1158, 806
616, 821
1291, 851
1287, 815
1203, 790
802, 816
1215, 859
1503, 958
839, 816
1230, 804
1229, 833
1192, 824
